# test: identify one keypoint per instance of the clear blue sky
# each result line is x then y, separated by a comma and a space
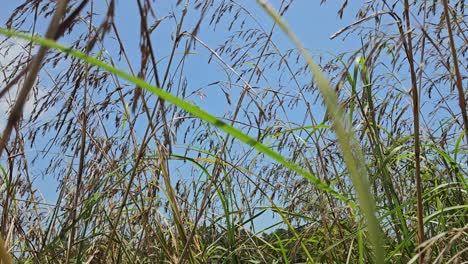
311, 22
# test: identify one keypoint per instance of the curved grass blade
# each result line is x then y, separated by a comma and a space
352, 153
192, 109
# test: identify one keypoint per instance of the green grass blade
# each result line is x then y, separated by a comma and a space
194, 110
351, 150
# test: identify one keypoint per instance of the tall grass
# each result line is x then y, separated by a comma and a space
352, 154
146, 175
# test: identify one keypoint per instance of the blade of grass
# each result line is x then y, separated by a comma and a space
458, 76
4, 256
351, 151
196, 111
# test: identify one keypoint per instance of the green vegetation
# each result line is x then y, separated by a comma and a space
367, 165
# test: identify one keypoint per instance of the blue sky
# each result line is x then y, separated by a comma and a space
312, 23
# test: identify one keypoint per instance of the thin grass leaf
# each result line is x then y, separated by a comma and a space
351, 151
196, 111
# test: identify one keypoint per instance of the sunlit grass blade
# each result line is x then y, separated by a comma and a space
194, 110
351, 150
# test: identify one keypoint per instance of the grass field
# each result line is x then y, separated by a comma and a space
182, 151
